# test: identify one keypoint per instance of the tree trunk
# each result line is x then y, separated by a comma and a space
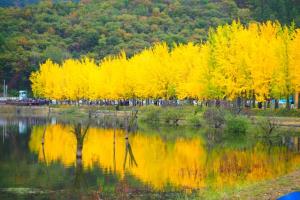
268, 104
288, 105
276, 104
79, 151
133, 102
239, 102
298, 106
253, 100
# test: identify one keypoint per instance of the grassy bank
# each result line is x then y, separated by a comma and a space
281, 112
269, 189
198, 116
180, 115
24, 110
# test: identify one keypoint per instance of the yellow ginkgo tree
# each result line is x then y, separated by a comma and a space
258, 60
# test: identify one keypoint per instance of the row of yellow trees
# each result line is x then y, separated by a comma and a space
260, 59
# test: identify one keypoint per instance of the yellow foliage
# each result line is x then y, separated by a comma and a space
260, 59
184, 163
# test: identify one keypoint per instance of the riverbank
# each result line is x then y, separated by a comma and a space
180, 115
67, 110
266, 190
271, 189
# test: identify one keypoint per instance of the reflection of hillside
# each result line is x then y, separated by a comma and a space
182, 163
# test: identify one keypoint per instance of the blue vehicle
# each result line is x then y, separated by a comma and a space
290, 196
283, 101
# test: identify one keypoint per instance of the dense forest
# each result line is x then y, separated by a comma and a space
32, 31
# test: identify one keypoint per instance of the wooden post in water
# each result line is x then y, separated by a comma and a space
114, 142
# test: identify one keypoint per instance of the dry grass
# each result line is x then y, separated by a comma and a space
271, 189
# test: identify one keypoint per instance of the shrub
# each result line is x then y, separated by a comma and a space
198, 109
236, 125
150, 114
194, 120
214, 117
171, 115
268, 126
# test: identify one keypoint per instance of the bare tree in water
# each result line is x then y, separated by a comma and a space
128, 150
80, 134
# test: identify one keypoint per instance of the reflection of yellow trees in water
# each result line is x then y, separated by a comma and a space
60, 144
231, 167
181, 163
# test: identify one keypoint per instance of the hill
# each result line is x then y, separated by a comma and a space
31, 34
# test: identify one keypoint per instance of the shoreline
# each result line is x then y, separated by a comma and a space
84, 112
270, 189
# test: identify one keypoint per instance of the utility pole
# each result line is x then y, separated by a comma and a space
4, 88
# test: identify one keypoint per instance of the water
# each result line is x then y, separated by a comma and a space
39, 161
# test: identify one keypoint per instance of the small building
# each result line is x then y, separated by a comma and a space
22, 94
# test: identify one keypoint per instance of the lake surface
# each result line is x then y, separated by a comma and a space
48, 161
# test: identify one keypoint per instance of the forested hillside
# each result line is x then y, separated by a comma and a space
31, 34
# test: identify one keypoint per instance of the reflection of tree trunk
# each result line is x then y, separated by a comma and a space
47, 121
114, 152
80, 135
129, 125
4, 132
79, 176
79, 151
80, 184
16, 153
44, 155
114, 143
45, 160
78, 172
43, 142
128, 150
211, 139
